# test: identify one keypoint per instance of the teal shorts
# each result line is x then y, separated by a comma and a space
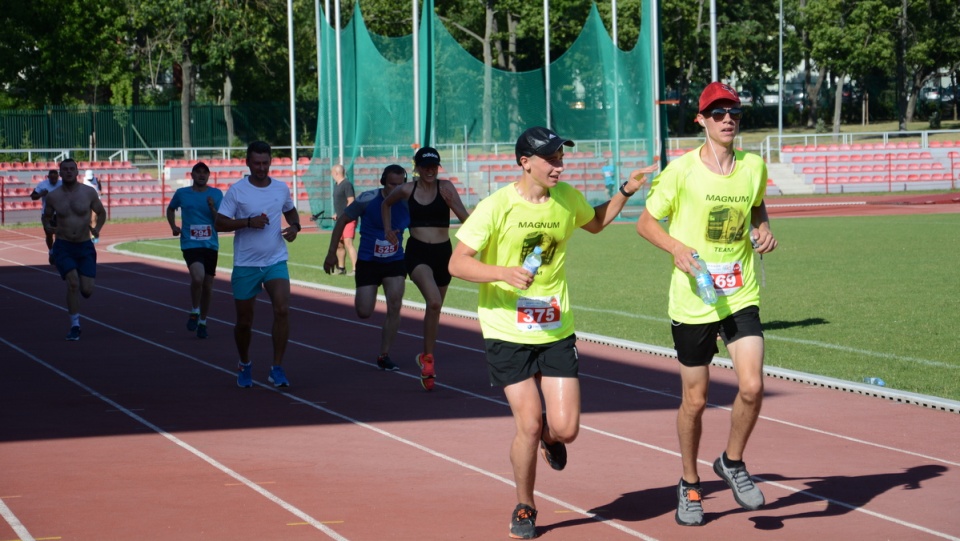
247, 282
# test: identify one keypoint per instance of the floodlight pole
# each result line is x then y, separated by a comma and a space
616, 93
416, 74
546, 56
339, 85
714, 72
293, 102
780, 88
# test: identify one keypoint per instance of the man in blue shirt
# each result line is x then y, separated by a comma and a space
379, 262
198, 206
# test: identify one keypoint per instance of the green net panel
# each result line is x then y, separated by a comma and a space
600, 96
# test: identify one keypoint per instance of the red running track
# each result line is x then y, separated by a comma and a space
138, 431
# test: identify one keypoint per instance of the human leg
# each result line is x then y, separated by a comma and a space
433, 297
393, 287
243, 329
695, 382
524, 400
196, 283
747, 356
279, 292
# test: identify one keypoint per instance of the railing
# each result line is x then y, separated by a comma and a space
771, 145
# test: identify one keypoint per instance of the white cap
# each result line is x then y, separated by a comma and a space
88, 175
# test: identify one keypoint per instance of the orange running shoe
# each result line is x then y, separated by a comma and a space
427, 373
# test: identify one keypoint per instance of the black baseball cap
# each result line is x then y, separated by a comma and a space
427, 156
540, 141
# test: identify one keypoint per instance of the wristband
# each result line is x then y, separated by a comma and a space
625, 194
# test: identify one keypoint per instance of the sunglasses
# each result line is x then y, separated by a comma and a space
720, 112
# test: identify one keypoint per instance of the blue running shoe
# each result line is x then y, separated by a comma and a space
74, 334
192, 321
277, 377
245, 375
201, 331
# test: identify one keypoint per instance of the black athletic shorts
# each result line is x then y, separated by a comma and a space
207, 256
436, 256
370, 273
696, 343
509, 362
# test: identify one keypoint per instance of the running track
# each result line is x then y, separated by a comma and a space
138, 431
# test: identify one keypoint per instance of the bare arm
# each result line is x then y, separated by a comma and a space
464, 265
450, 196
649, 228
403, 192
765, 240
330, 262
34, 195
101, 214
607, 212
47, 217
172, 220
224, 224
293, 221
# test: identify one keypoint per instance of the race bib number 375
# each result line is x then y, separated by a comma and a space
538, 313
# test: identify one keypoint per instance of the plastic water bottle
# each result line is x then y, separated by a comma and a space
533, 260
704, 282
874, 381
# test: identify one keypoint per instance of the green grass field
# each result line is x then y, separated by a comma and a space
844, 297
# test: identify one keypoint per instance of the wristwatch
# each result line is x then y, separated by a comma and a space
625, 194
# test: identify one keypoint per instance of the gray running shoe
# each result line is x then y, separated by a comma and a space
744, 490
523, 524
689, 505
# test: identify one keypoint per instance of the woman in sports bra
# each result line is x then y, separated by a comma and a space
430, 200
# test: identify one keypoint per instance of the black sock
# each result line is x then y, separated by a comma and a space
689, 485
731, 463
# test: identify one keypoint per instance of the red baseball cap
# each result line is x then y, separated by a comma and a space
717, 91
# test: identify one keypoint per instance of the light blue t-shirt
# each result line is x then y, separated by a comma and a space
197, 229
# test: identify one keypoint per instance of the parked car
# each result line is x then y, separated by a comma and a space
771, 99
746, 98
930, 94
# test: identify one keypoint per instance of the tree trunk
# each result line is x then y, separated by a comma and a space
488, 73
838, 103
186, 96
815, 93
512, 23
227, 107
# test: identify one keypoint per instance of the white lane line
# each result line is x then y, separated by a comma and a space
18, 528
182, 444
585, 427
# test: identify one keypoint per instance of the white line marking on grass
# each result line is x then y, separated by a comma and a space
14, 522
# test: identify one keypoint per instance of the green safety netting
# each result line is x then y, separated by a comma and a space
601, 97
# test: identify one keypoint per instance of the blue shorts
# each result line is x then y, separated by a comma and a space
81, 256
247, 282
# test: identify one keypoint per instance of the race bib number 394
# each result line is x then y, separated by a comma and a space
538, 313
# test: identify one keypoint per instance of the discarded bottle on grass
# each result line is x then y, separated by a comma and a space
704, 281
874, 381
533, 260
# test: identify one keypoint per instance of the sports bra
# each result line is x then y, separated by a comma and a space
434, 214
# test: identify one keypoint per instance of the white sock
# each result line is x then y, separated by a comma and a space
202, 322
75, 320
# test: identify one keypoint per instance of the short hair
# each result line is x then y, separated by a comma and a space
200, 166
260, 147
392, 169
65, 160
54, 171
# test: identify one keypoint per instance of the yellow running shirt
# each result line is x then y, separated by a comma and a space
711, 214
503, 229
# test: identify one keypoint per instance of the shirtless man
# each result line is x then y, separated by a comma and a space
73, 251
